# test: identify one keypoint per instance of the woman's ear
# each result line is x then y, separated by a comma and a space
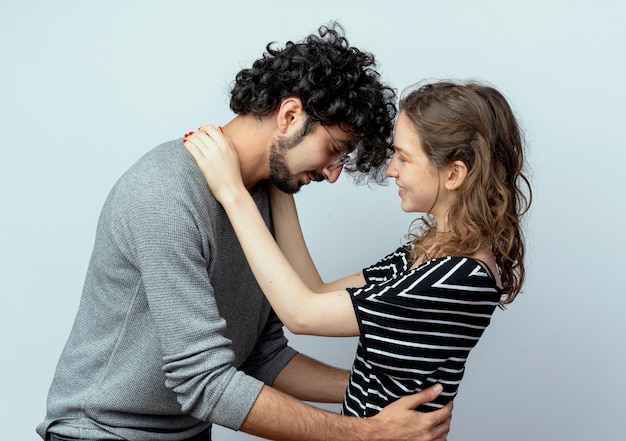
289, 112
456, 173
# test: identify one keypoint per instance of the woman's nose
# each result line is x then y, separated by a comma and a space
390, 171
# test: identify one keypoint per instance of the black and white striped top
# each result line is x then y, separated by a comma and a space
417, 328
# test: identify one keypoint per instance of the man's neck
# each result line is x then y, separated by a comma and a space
252, 138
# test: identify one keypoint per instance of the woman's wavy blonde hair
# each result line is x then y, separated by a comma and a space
473, 123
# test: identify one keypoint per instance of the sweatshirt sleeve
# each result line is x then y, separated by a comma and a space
158, 224
271, 353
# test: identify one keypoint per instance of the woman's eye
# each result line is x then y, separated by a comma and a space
397, 155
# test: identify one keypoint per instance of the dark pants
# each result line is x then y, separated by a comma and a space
205, 436
54, 437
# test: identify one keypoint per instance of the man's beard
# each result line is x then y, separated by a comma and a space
280, 175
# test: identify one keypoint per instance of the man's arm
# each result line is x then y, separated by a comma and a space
278, 416
310, 380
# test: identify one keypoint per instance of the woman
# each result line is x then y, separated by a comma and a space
459, 157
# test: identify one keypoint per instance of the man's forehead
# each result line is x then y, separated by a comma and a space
343, 136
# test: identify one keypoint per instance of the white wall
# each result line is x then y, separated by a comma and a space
87, 87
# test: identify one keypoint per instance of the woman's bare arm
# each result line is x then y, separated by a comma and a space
290, 239
302, 310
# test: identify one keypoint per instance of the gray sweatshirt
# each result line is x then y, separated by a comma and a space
172, 332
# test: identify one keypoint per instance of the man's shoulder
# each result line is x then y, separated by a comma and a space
168, 155
165, 172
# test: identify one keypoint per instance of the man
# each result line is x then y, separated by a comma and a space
173, 333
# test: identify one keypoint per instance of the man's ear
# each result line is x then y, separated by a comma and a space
290, 112
456, 173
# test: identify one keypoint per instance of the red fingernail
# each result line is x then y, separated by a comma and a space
220, 129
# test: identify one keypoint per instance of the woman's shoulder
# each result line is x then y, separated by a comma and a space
390, 265
457, 273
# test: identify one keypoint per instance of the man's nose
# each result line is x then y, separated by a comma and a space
332, 174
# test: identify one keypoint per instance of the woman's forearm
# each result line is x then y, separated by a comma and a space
302, 310
298, 306
290, 239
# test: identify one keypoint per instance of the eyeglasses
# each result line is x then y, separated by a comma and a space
339, 162
342, 160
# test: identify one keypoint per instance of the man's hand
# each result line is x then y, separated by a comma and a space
400, 421
278, 416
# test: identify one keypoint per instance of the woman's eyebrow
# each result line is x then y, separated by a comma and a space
406, 156
400, 150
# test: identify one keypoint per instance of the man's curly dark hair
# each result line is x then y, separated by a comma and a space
336, 83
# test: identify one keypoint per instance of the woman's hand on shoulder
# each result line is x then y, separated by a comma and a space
217, 159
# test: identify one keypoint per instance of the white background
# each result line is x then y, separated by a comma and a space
87, 87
